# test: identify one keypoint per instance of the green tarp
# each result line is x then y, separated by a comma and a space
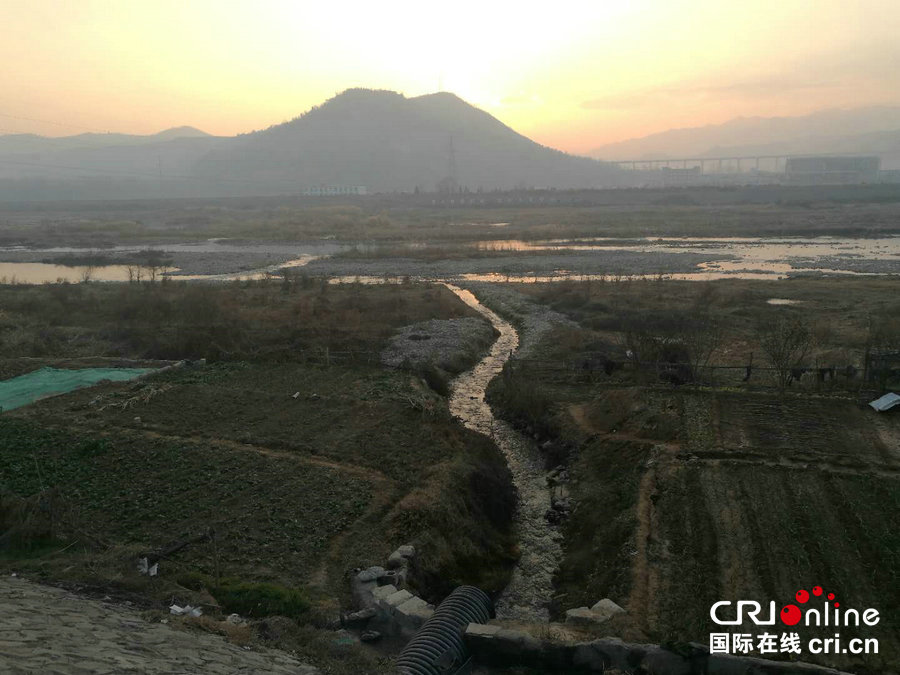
26, 389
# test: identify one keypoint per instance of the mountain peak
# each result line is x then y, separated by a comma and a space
386, 141
364, 91
181, 132
361, 96
441, 96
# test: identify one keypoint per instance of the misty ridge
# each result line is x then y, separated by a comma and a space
383, 141
872, 130
377, 139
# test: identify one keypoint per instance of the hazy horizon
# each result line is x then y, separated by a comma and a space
575, 78
191, 129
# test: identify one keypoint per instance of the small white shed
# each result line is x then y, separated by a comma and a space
886, 402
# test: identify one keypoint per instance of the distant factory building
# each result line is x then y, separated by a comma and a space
889, 176
335, 190
832, 170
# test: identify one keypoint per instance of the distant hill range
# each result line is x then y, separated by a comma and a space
377, 139
873, 130
27, 143
386, 142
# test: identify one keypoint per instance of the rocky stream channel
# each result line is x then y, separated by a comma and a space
528, 595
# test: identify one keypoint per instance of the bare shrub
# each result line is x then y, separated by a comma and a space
786, 341
701, 337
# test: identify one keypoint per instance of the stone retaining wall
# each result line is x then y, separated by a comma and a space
384, 605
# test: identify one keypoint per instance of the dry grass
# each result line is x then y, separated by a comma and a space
867, 210
298, 489
689, 495
239, 321
844, 315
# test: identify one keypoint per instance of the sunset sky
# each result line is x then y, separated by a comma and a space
572, 75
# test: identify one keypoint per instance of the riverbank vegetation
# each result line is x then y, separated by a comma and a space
260, 478
714, 485
391, 222
298, 318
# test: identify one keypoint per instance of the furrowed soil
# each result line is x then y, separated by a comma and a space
720, 489
291, 461
229, 447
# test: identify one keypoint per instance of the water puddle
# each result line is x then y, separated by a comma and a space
215, 245
249, 275
748, 248
46, 273
563, 275
742, 257
49, 273
737, 258
528, 595
760, 258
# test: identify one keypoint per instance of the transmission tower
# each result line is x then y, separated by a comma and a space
451, 163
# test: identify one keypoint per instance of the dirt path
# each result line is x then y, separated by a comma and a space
296, 456
811, 463
528, 595
644, 574
50, 630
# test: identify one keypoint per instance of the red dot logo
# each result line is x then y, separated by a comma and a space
817, 590
837, 604
831, 596
790, 615
802, 596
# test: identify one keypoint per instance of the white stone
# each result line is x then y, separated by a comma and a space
485, 630
581, 616
398, 598
370, 574
607, 608
407, 551
414, 612
412, 604
384, 592
401, 557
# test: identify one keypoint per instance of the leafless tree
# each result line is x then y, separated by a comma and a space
640, 340
786, 341
701, 337
154, 264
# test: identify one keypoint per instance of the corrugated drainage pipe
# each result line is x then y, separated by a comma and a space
437, 648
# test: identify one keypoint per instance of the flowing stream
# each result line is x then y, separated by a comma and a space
528, 595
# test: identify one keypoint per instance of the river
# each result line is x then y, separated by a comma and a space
768, 258
528, 595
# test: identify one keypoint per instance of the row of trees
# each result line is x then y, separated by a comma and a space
685, 345
145, 266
